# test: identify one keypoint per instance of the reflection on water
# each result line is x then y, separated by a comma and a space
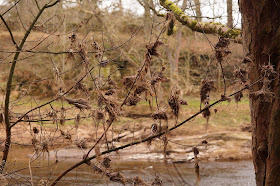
212, 173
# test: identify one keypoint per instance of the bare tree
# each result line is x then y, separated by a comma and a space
229, 14
198, 10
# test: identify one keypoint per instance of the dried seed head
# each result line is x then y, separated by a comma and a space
238, 96
35, 130
132, 100
128, 81
195, 151
110, 92
80, 143
117, 177
73, 38
152, 48
160, 114
206, 86
170, 23
154, 128
157, 181
241, 74
79, 103
106, 162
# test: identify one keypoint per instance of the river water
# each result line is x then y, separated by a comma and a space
211, 173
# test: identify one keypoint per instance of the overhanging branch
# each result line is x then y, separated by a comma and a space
207, 28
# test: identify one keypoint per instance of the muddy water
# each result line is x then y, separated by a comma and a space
45, 169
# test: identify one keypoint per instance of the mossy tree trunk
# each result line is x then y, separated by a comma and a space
261, 38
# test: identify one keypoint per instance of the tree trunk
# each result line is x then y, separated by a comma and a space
261, 38
229, 14
147, 20
197, 10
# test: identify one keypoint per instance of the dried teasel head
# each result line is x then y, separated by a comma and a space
225, 98
96, 48
195, 151
73, 38
160, 114
80, 143
221, 48
106, 162
110, 92
35, 130
206, 86
45, 146
112, 83
84, 51
152, 48
238, 96
154, 128
128, 81
138, 181
79, 103
139, 89
173, 100
158, 76
117, 177
241, 74
132, 100
81, 86
157, 181
170, 23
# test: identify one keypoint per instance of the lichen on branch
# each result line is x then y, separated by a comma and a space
208, 28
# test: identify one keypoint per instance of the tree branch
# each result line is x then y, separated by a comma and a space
208, 28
